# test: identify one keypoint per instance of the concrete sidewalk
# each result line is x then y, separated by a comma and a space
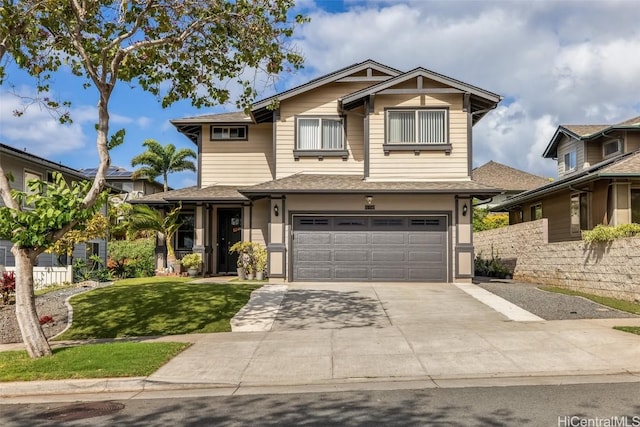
354, 336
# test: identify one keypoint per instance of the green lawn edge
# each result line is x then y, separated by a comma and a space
155, 306
627, 306
107, 360
630, 329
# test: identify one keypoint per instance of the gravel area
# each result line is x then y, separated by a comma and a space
551, 305
50, 304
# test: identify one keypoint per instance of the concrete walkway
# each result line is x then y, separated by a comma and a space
352, 336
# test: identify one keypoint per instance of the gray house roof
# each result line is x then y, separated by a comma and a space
344, 184
27, 156
214, 193
586, 132
626, 165
497, 175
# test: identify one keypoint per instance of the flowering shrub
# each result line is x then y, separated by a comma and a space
8, 287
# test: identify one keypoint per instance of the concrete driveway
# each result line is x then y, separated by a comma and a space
341, 333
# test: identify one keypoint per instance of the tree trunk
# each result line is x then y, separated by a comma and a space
30, 328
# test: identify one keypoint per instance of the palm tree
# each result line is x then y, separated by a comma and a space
145, 218
161, 160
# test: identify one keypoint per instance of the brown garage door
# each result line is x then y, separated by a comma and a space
369, 248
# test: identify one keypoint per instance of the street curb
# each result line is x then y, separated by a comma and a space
142, 385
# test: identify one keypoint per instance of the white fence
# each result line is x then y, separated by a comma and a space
47, 276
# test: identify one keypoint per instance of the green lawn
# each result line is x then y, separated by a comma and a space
631, 329
89, 361
629, 307
155, 306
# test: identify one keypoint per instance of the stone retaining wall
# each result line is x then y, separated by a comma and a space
608, 269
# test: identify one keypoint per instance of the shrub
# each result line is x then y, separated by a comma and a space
484, 220
605, 233
491, 267
8, 287
131, 258
193, 260
92, 270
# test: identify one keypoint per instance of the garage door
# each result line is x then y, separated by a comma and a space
332, 248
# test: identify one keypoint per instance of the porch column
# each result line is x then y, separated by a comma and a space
199, 243
463, 261
276, 247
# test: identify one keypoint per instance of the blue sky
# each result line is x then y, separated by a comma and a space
554, 62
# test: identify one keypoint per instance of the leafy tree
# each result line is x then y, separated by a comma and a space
174, 49
145, 218
161, 160
36, 229
484, 220
95, 228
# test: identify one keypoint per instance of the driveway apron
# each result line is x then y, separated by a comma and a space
349, 332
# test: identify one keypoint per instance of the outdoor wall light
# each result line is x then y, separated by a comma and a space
369, 200
276, 210
464, 210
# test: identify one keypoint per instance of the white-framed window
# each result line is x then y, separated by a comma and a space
228, 133
579, 211
319, 133
418, 126
611, 148
570, 161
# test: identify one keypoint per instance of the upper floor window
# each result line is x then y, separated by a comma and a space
417, 126
611, 148
228, 133
570, 161
319, 134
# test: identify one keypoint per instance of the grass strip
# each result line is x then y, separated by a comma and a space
89, 361
631, 329
628, 306
155, 306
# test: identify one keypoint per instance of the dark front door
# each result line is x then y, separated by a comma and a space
229, 232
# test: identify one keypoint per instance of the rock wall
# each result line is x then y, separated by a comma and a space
607, 269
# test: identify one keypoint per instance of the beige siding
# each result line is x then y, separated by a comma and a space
238, 162
320, 102
436, 165
632, 142
593, 154
556, 209
566, 146
260, 221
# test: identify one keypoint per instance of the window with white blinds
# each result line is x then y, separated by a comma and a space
417, 127
314, 133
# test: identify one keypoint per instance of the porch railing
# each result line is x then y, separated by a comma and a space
47, 276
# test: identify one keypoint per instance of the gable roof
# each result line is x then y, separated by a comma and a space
260, 108
481, 100
586, 132
29, 157
626, 165
497, 175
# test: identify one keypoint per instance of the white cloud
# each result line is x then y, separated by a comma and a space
555, 62
37, 129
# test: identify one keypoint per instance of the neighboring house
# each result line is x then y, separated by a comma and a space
121, 179
512, 181
598, 181
24, 166
363, 174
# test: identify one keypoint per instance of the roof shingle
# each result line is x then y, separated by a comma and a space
496, 174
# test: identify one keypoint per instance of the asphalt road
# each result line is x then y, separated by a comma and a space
560, 405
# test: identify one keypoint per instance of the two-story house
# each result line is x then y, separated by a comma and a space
598, 181
122, 179
24, 166
363, 174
